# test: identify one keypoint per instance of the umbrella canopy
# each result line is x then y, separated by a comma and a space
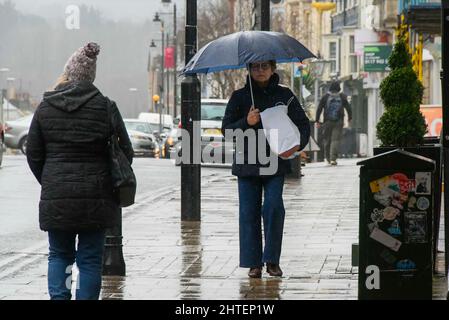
236, 50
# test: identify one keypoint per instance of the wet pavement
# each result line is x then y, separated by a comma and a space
167, 259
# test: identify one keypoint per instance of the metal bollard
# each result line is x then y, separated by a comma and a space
113, 261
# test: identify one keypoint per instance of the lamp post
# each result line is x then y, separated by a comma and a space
10, 79
113, 261
134, 93
2, 70
175, 44
157, 19
190, 117
317, 70
445, 134
159, 108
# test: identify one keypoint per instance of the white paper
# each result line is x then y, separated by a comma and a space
385, 239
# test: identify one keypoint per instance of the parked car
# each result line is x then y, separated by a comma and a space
154, 120
16, 133
142, 138
212, 113
2, 142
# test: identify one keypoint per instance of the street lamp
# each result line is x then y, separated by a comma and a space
317, 68
133, 92
156, 99
10, 79
2, 70
175, 53
157, 19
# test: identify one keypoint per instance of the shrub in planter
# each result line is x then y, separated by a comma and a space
402, 124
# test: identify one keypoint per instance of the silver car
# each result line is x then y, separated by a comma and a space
143, 140
212, 140
213, 143
16, 133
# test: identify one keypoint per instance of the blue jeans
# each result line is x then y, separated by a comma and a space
88, 257
251, 212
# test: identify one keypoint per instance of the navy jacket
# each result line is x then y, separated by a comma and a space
67, 154
236, 113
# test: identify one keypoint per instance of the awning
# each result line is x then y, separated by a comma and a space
425, 18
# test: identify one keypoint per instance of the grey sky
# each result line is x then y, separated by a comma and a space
136, 10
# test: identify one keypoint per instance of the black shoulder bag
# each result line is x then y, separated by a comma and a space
123, 178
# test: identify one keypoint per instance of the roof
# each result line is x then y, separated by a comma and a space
399, 159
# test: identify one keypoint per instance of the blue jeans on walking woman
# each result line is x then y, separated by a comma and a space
251, 212
88, 257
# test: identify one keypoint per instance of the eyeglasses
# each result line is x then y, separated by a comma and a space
263, 66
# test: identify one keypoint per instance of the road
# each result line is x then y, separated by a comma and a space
19, 197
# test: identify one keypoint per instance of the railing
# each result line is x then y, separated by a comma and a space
349, 17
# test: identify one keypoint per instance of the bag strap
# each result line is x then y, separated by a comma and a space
110, 131
290, 100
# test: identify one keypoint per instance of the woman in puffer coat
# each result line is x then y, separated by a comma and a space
67, 154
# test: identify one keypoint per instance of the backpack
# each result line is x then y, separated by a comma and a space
334, 106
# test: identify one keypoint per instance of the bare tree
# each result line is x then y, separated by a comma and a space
215, 21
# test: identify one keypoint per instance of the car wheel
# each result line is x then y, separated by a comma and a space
23, 145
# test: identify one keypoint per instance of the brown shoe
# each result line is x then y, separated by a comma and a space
274, 270
255, 272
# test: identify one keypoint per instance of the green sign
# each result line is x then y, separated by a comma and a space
376, 58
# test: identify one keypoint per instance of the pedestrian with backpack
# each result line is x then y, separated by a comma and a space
333, 104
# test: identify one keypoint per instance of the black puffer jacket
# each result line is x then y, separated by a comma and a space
67, 153
237, 111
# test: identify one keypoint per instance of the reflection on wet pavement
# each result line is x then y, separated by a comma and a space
169, 259
191, 260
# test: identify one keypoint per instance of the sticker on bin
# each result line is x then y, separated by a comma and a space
405, 264
388, 256
387, 197
382, 183
411, 203
423, 203
423, 181
397, 182
390, 213
377, 215
385, 239
394, 229
415, 227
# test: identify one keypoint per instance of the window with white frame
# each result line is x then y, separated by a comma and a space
339, 6
333, 56
351, 44
352, 56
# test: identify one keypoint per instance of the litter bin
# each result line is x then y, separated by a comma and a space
396, 226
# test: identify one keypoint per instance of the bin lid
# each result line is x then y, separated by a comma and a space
399, 159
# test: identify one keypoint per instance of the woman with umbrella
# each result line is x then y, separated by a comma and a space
242, 114
258, 51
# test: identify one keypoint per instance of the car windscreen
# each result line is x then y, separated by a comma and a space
212, 111
138, 126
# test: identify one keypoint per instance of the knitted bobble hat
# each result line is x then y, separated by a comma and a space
82, 65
